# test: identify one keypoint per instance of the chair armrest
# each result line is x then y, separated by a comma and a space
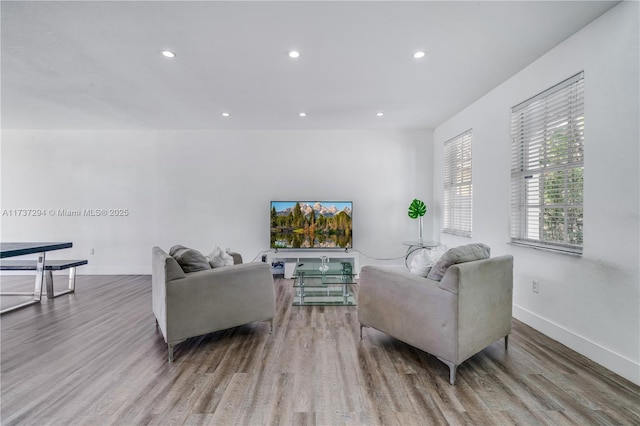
218, 299
237, 257
408, 307
494, 269
485, 292
397, 291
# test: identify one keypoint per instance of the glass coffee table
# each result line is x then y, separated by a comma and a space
330, 283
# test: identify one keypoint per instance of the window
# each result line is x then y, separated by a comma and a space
547, 164
458, 189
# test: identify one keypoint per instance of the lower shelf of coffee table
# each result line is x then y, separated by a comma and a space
319, 296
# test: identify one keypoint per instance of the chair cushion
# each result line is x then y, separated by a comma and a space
461, 254
190, 260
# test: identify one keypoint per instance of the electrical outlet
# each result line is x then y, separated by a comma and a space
91, 251
536, 286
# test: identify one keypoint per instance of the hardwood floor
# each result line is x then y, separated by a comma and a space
96, 358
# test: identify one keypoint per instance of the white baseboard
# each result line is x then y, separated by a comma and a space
617, 363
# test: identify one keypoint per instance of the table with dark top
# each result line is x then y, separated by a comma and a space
26, 248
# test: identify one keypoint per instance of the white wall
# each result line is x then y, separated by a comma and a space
589, 303
200, 188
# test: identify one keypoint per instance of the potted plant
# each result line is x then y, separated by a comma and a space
417, 209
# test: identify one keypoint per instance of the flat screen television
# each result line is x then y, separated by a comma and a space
311, 224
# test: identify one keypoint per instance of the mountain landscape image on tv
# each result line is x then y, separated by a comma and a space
311, 224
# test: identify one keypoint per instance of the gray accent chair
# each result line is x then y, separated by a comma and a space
192, 304
453, 319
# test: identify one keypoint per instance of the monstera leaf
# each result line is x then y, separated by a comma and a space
417, 209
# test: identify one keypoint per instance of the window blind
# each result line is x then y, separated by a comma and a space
458, 187
547, 165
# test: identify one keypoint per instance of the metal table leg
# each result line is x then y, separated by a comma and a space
37, 291
72, 284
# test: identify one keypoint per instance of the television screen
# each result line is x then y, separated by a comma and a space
311, 224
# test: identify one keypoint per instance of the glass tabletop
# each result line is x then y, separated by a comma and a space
422, 244
313, 269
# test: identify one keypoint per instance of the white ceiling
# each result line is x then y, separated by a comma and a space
98, 64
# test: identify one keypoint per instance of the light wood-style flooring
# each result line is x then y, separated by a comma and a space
96, 358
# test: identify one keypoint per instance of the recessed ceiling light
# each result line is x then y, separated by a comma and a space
379, 114
225, 114
419, 54
294, 54
302, 114
168, 54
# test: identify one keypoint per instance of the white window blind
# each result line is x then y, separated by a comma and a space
458, 188
547, 164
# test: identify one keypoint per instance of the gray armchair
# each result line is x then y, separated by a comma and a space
453, 319
192, 304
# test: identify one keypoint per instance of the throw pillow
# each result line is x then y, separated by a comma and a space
421, 263
190, 260
460, 254
174, 249
219, 257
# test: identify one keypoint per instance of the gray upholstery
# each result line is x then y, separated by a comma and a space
452, 319
192, 304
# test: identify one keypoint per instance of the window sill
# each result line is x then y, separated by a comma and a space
559, 250
457, 233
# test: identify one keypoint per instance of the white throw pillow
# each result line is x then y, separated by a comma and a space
219, 257
421, 263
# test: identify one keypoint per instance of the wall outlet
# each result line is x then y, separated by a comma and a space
536, 286
91, 251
